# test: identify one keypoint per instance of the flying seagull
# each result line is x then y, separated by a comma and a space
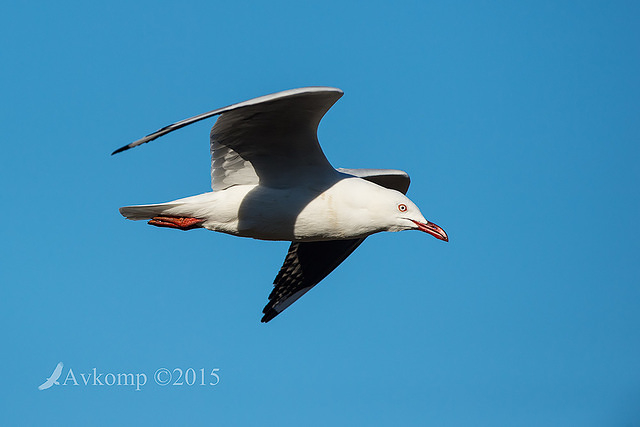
271, 181
53, 379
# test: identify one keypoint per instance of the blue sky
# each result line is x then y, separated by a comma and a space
517, 121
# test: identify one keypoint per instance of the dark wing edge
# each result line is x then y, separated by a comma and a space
178, 125
306, 264
388, 178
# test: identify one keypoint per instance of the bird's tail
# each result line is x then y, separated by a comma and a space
142, 212
184, 214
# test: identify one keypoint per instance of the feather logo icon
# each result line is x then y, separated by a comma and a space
53, 379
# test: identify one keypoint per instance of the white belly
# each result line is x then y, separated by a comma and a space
298, 214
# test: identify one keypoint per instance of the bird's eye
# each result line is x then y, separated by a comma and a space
402, 207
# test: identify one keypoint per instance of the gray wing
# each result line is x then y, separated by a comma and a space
273, 141
269, 139
388, 178
307, 263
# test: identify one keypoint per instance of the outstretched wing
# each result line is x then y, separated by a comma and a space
388, 178
307, 263
271, 139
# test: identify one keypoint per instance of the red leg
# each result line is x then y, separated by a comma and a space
176, 222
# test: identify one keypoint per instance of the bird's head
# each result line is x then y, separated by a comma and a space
378, 209
403, 214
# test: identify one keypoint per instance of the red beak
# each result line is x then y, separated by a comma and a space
432, 229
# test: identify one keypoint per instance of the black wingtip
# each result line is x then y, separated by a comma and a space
121, 149
268, 315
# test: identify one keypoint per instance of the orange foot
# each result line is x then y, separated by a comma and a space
176, 222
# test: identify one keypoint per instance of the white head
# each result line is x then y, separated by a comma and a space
375, 208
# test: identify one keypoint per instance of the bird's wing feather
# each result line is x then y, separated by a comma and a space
273, 141
269, 139
389, 178
307, 263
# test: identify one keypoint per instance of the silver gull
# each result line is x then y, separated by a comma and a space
271, 181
